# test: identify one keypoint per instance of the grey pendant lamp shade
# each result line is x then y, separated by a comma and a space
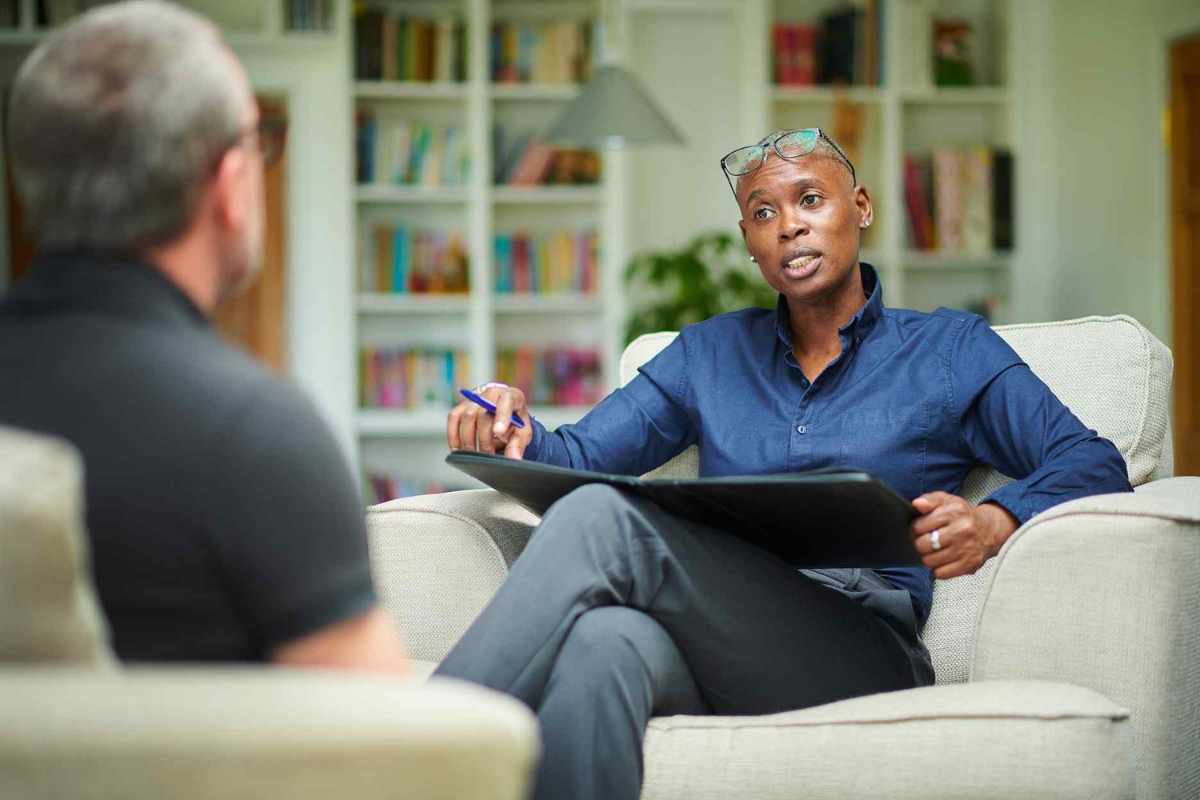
613, 110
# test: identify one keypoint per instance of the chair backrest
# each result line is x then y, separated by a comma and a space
1110, 371
48, 607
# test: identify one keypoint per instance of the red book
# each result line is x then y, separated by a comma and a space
520, 250
804, 55
916, 210
781, 56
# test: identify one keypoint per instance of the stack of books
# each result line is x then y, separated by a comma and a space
408, 378
522, 159
400, 151
552, 376
391, 47
843, 47
556, 263
960, 201
542, 52
415, 261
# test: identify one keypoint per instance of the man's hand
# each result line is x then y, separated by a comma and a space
470, 427
967, 535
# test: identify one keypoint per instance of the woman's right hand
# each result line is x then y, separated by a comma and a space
470, 427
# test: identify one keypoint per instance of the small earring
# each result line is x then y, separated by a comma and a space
867, 224
753, 260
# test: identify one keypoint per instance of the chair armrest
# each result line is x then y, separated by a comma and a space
194, 734
439, 558
1104, 592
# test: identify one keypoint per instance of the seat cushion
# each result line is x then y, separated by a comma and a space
981, 740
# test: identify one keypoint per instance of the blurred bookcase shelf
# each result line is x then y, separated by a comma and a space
396, 303
546, 304
491, 108
431, 422
541, 195
410, 90
389, 422
827, 94
533, 91
393, 193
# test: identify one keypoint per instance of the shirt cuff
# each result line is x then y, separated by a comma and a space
535, 445
1011, 499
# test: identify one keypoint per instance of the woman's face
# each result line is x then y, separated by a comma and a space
801, 222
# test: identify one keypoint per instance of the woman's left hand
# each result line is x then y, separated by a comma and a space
965, 535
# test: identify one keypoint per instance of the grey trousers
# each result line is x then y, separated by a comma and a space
618, 611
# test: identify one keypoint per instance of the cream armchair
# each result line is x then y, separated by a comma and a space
73, 725
1068, 667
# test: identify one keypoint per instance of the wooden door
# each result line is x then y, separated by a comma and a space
1185, 242
254, 319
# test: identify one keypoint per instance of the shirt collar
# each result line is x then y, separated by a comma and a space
115, 285
862, 321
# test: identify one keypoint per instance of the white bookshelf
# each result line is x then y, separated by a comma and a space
243, 23
908, 113
411, 443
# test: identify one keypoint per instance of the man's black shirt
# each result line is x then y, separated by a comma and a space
221, 515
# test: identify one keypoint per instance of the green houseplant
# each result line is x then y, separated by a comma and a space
710, 275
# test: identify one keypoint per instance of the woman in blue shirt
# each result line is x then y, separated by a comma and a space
617, 611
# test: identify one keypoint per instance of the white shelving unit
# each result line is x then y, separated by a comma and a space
411, 443
908, 113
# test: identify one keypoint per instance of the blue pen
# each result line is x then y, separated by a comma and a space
491, 409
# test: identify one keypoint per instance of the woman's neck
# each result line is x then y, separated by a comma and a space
815, 326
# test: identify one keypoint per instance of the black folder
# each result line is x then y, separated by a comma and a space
809, 519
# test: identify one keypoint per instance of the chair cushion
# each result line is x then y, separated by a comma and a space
1110, 371
981, 740
48, 607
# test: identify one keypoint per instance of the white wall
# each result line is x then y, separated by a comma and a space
691, 59
1103, 97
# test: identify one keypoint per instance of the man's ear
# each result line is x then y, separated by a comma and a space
229, 201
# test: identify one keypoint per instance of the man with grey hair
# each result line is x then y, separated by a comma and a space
224, 524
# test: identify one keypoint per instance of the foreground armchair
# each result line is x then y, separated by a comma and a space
1067, 667
74, 725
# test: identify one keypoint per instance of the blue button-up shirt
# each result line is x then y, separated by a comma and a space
916, 399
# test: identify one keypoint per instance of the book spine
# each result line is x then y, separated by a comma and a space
401, 260
780, 55
914, 203
977, 201
1003, 235
947, 182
